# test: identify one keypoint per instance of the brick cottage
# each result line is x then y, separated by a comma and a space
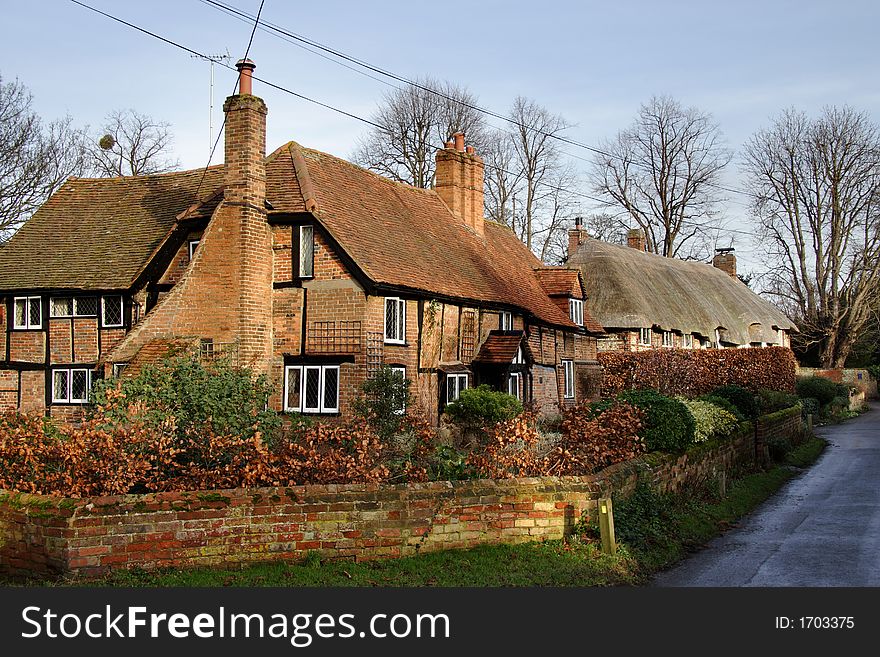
298, 265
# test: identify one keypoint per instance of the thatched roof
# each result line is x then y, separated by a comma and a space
630, 289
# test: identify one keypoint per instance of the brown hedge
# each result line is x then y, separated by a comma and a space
692, 372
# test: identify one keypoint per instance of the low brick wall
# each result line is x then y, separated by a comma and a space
45, 535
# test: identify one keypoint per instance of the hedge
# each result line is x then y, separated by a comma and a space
694, 372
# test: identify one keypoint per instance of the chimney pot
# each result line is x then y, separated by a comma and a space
245, 69
459, 141
450, 144
470, 150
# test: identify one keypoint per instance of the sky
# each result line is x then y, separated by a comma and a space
593, 63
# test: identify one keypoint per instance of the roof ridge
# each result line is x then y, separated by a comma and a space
176, 172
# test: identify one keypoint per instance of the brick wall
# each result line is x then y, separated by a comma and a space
46, 535
8, 390
28, 346
33, 391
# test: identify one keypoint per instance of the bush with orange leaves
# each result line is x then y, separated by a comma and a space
593, 437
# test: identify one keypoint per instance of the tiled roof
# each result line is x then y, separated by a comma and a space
559, 281
405, 236
628, 289
158, 350
99, 233
500, 347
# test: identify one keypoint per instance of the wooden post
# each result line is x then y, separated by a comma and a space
809, 424
722, 484
606, 526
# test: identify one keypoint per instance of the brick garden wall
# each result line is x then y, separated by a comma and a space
46, 536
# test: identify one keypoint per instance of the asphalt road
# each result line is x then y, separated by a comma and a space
821, 529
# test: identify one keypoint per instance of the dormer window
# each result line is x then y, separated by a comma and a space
645, 337
576, 311
193, 245
688, 340
506, 321
668, 339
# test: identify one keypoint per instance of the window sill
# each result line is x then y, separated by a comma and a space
402, 343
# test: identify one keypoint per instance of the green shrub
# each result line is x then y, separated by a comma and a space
711, 421
874, 371
840, 403
194, 397
774, 400
384, 399
743, 399
668, 425
450, 464
483, 407
778, 447
810, 406
726, 404
822, 389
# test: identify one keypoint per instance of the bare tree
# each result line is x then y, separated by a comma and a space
817, 189
415, 121
502, 179
132, 144
664, 172
35, 158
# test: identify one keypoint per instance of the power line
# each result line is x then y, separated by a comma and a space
348, 114
298, 39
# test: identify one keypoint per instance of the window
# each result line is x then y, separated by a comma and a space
718, 339
71, 386
73, 307
513, 385
668, 339
688, 340
519, 359
576, 311
306, 251
568, 374
395, 320
455, 383
506, 321
118, 369
28, 313
645, 337
401, 371
111, 311
311, 388
193, 244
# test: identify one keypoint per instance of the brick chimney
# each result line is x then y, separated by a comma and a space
635, 239
725, 260
245, 196
459, 182
576, 236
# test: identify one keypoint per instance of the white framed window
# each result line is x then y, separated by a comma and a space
688, 340
506, 321
645, 337
568, 379
718, 339
73, 306
192, 246
395, 320
455, 383
118, 369
311, 388
668, 339
401, 371
576, 311
71, 385
513, 385
27, 313
306, 251
111, 311
519, 359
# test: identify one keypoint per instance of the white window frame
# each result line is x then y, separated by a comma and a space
645, 332
718, 339
506, 321
400, 312
517, 378
27, 326
311, 231
668, 339
192, 245
68, 399
568, 379
322, 407
104, 323
74, 307
461, 380
118, 369
520, 358
400, 369
687, 340
53, 314
576, 311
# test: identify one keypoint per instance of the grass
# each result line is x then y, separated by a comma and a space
654, 532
